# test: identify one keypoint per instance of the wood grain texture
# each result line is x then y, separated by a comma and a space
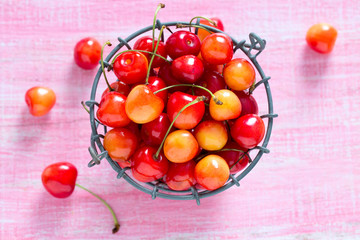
308, 187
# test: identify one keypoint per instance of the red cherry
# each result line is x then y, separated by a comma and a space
248, 131
87, 53
321, 37
156, 83
59, 179
119, 87
166, 75
217, 48
180, 176
40, 100
145, 167
248, 103
131, 67
182, 43
191, 116
213, 81
111, 111
187, 69
236, 160
145, 44
153, 133
202, 34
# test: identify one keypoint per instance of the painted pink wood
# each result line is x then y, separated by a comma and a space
308, 187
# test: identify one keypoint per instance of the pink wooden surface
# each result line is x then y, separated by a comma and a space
308, 187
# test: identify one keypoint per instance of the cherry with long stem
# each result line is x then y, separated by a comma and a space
160, 6
143, 51
102, 64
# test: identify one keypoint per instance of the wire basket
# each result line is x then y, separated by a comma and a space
159, 189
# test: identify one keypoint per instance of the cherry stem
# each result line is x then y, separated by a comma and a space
235, 150
198, 99
143, 51
208, 19
102, 64
160, 6
86, 109
252, 87
216, 100
116, 221
153, 56
179, 25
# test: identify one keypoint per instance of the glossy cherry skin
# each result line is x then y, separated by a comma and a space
248, 103
239, 74
166, 75
248, 131
211, 135
131, 67
87, 53
153, 133
180, 176
180, 146
230, 107
156, 83
119, 87
59, 179
212, 172
187, 69
211, 80
142, 105
203, 33
191, 116
40, 100
111, 111
145, 44
217, 48
182, 43
145, 167
321, 37
236, 160
120, 143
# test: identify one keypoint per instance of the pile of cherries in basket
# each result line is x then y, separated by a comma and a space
180, 111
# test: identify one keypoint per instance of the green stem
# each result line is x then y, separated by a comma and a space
252, 87
153, 56
160, 6
179, 25
208, 19
237, 161
86, 109
198, 99
116, 221
143, 51
102, 65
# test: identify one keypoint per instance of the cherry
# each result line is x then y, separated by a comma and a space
182, 43
236, 160
120, 143
156, 83
212, 172
87, 53
145, 167
248, 131
180, 146
248, 103
180, 176
40, 100
321, 37
142, 105
131, 67
111, 111
146, 44
239, 74
211, 80
202, 34
187, 69
191, 116
166, 75
217, 48
153, 133
119, 87
211, 135
230, 109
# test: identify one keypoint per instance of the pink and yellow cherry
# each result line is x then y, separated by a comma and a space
230, 107
153, 133
142, 105
187, 69
248, 103
182, 43
239, 74
211, 80
180, 176
119, 87
211, 135
120, 143
40, 100
87, 53
166, 75
146, 44
321, 37
156, 83
145, 167
180, 146
191, 116
131, 67
212, 172
217, 48
236, 160
111, 111
202, 34
248, 131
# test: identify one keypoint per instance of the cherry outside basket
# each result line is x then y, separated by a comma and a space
159, 189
